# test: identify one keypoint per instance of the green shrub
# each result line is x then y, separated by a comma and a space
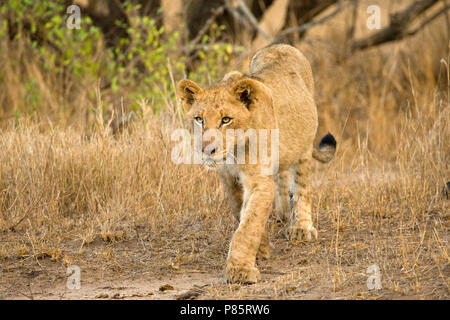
137, 68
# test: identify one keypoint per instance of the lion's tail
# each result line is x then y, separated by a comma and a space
326, 150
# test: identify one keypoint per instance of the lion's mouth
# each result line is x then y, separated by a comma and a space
210, 163
213, 162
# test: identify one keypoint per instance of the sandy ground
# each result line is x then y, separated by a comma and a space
190, 265
285, 276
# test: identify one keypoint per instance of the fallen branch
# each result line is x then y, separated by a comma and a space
271, 22
306, 26
427, 21
397, 28
252, 20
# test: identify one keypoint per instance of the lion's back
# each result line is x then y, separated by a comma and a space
287, 73
282, 61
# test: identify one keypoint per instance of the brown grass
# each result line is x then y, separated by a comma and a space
118, 207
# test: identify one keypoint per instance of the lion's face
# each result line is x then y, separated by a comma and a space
217, 113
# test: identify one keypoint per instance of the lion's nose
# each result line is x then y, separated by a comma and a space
209, 150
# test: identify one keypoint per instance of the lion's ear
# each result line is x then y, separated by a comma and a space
249, 91
187, 90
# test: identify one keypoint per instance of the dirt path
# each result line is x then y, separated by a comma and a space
189, 264
288, 275
122, 288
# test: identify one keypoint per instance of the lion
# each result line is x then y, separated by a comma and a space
277, 93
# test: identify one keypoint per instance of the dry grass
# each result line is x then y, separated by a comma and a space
118, 207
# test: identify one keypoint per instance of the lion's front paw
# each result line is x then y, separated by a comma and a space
302, 231
242, 274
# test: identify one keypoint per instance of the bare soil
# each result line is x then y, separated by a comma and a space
190, 266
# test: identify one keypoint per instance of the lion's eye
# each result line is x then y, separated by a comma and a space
199, 120
226, 120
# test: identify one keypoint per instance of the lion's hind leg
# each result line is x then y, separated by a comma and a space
301, 227
282, 198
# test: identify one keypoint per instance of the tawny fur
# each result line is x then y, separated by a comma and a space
276, 94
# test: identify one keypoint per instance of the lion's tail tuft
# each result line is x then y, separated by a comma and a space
326, 150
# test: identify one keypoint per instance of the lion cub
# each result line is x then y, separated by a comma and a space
276, 95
